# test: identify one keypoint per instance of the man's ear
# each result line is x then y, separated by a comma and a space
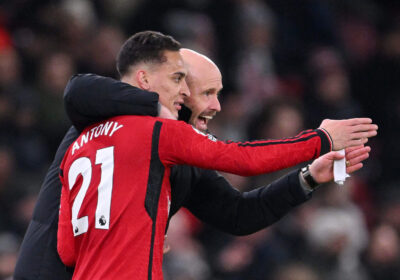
142, 79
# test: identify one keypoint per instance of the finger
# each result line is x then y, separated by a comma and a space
357, 159
357, 121
357, 149
350, 149
364, 127
354, 168
366, 134
333, 156
353, 154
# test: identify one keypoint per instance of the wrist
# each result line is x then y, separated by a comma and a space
307, 179
326, 141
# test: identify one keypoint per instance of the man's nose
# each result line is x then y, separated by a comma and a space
215, 105
185, 89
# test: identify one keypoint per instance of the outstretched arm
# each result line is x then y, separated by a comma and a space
179, 143
214, 201
90, 98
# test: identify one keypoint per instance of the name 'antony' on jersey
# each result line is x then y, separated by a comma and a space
107, 129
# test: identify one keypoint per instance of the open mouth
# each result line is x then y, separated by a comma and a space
206, 117
202, 122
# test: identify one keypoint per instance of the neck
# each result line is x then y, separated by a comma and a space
129, 80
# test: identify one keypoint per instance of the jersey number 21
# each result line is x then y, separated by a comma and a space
83, 166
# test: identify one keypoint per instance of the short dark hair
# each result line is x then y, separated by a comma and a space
145, 46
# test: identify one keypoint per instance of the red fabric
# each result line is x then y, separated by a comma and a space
245, 159
5, 39
123, 250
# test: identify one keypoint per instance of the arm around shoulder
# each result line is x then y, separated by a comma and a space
90, 98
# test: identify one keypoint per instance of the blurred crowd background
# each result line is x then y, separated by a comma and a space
286, 65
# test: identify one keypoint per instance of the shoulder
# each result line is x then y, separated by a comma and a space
126, 120
170, 122
179, 125
173, 125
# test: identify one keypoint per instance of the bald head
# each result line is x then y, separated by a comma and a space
205, 82
198, 66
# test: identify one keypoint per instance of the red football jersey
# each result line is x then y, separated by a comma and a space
116, 190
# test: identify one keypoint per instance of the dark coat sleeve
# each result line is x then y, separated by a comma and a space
214, 201
90, 98
38, 257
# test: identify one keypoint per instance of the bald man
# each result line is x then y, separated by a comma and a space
91, 98
205, 83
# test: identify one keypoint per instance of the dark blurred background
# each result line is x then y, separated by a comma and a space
286, 65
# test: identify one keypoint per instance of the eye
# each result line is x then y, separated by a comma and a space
178, 78
207, 93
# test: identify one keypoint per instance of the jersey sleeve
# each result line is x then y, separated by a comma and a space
65, 237
90, 98
179, 143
